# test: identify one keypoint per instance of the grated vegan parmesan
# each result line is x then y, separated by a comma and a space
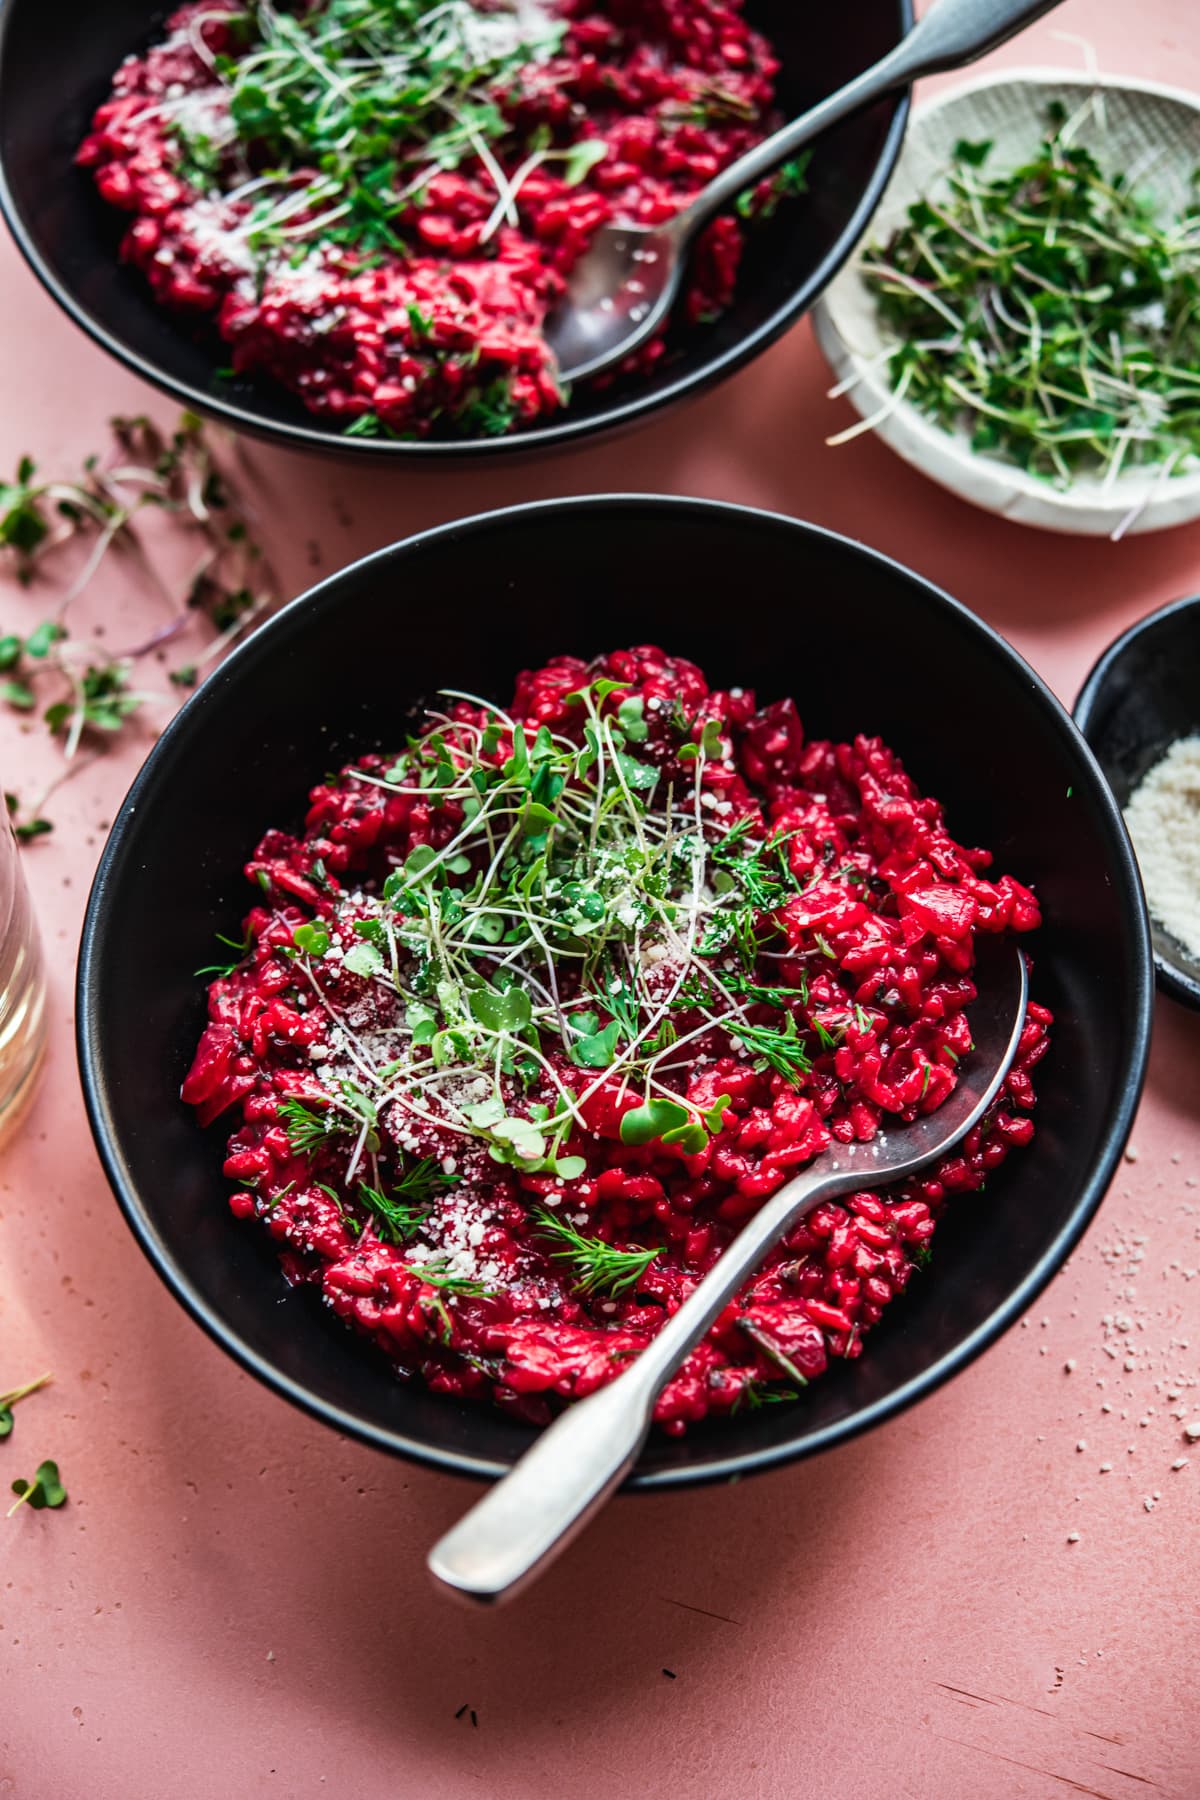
1163, 817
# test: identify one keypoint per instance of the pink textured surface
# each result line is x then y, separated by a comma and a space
234, 1596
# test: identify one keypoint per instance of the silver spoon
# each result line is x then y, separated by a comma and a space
620, 291
572, 1468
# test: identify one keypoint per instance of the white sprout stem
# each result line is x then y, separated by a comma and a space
879, 417
885, 272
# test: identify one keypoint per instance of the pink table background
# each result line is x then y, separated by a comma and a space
234, 1598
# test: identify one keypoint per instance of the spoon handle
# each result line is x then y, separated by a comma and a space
951, 33
571, 1469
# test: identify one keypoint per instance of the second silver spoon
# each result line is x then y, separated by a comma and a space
621, 290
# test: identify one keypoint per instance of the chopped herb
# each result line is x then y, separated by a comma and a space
307, 1130
597, 1267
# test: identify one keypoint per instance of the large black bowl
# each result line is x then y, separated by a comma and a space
759, 601
1143, 694
56, 66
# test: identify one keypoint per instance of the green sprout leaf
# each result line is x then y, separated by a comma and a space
46, 1489
510, 1011
311, 940
364, 959
582, 158
43, 637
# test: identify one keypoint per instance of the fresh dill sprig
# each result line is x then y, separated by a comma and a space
776, 1047
308, 1130
401, 1214
437, 1274
597, 1267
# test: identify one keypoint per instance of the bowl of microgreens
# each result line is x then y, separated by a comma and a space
343, 674
338, 226
1023, 322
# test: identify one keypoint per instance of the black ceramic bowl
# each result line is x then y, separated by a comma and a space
1143, 694
756, 600
56, 66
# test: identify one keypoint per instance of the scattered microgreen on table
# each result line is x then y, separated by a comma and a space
46, 1489
1049, 307
81, 691
10, 1399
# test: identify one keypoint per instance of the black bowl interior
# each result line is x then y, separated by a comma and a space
865, 646
1142, 695
56, 66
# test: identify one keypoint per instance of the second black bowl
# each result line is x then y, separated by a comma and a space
758, 601
1141, 696
56, 66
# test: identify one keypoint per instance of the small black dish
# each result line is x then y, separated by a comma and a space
1142, 695
758, 601
56, 66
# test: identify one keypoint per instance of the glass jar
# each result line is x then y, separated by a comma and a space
22, 987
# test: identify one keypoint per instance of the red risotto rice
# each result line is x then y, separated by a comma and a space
377, 201
531, 1018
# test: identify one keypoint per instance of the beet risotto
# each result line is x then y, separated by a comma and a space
377, 201
534, 1015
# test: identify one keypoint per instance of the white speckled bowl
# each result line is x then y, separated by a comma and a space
1135, 124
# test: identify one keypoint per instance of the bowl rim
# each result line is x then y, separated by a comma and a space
565, 431
326, 594
943, 456
1171, 978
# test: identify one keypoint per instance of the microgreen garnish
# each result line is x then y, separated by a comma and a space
597, 1267
575, 900
437, 1274
310, 940
1051, 308
366, 101
789, 182
9, 1400
46, 1489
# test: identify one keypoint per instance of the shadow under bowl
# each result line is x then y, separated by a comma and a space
757, 601
56, 67
1142, 695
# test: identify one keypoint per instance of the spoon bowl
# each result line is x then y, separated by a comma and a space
619, 295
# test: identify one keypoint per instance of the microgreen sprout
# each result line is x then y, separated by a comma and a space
1050, 308
579, 900
359, 104
9, 1400
46, 1489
